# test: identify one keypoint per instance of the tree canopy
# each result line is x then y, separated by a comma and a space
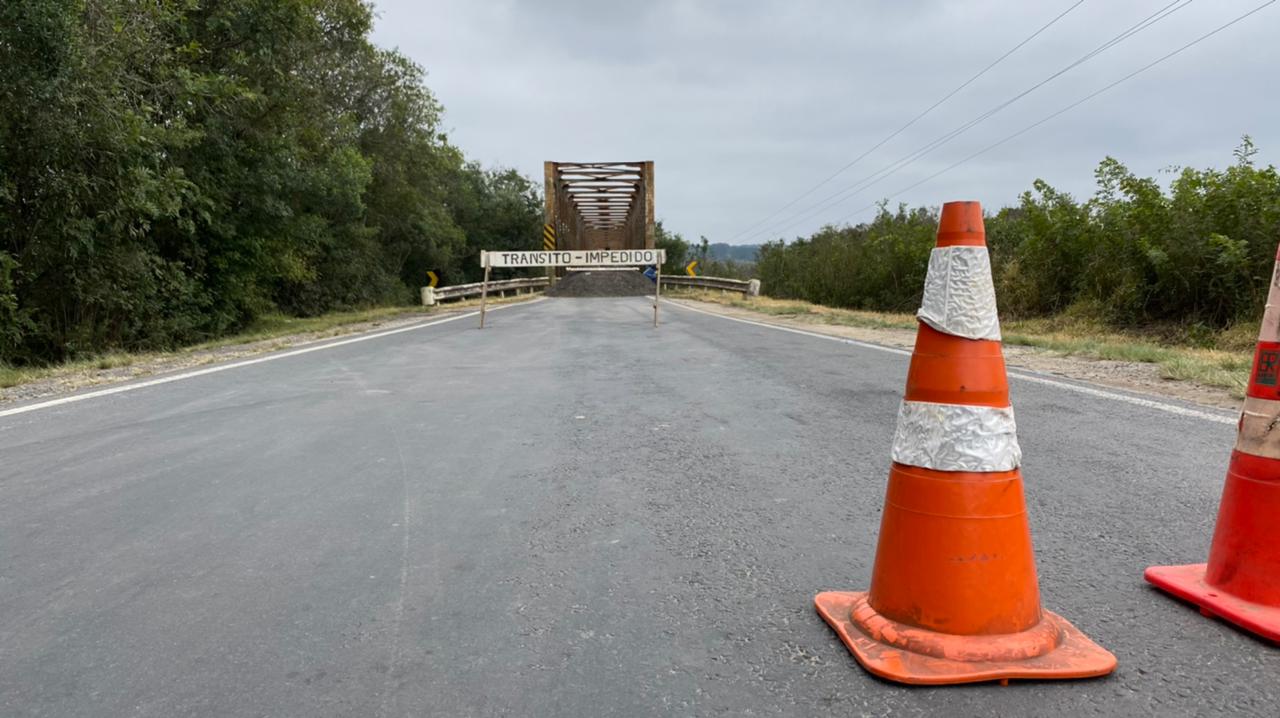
169, 171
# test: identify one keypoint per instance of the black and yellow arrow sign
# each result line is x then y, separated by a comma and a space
432, 279
548, 238
690, 268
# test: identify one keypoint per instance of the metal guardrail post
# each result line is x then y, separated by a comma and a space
484, 288
657, 293
502, 286
748, 288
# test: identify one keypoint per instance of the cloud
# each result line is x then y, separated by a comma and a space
745, 105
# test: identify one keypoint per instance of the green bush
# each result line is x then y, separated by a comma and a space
1199, 253
879, 265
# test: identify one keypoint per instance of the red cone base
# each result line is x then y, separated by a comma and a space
1241, 581
1052, 648
1187, 583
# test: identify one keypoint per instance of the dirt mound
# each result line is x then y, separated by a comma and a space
602, 284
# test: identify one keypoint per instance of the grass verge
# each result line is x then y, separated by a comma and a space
265, 328
1226, 368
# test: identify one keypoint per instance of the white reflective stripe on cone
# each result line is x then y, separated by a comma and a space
959, 297
956, 437
1270, 331
1259, 428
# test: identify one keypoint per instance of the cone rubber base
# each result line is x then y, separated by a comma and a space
1187, 583
1054, 649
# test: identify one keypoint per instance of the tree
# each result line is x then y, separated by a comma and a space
676, 247
171, 171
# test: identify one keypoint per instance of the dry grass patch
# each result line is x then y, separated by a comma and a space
1224, 363
288, 330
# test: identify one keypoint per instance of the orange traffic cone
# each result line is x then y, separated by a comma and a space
953, 596
1241, 582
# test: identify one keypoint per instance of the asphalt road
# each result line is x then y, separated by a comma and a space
569, 513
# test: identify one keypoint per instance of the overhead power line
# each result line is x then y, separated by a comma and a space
1066, 109
912, 121
864, 183
856, 188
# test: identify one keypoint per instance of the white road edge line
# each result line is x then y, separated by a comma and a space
246, 362
1035, 379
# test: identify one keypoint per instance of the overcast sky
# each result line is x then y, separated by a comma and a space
744, 105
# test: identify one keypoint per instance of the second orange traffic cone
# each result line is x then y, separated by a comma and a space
1241, 581
954, 596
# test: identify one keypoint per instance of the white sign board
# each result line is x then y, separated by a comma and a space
575, 258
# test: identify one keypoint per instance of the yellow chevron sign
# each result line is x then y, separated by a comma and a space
548, 238
688, 268
432, 279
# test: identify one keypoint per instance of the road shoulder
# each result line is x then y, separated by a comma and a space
63, 381
1139, 377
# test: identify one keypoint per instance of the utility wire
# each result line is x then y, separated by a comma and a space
853, 190
1068, 108
911, 122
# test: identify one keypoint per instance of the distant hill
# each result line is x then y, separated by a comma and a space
736, 252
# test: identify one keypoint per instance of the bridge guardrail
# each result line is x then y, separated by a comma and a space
747, 287
433, 295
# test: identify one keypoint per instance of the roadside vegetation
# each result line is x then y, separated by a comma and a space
1188, 261
176, 172
1176, 276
